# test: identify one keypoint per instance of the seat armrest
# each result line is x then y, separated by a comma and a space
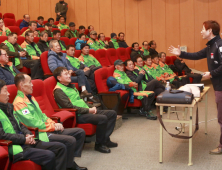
55, 118
109, 93
48, 74
11, 57
8, 144
5, 142
65, 109
36, 130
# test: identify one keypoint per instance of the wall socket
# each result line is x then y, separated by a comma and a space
183, 48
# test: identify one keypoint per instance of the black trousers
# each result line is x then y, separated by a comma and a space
196, 77
50, 155
81, 79
147, 101
154, 85
105, 121
36, 68
73, 139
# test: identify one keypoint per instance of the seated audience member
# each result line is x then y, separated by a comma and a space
58, 59
57, 36
51, 21
43, 43
7, 70
48, 29
89, 71
181, 66
67, 96
32, 27
121, 41
93, 43
90, 28
102, 41
162, 58
152, 48
72, 32
146, 97
82, 30
145, 49
25, 22
80, 40
135, 51
22, 57
40, 22
4, 31
49, 131
113, 42
62, 24
49, 155
139, 75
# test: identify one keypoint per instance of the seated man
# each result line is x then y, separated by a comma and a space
102, 41
40, 22
51, 21
162, 58
113, 42
82, 30
145, 49
7, 69
135, 51
181, 66
58, 59
67, 96
90, 28
57, 36
43, 43
152, 48
139, 75
4, 31
80, 40
27, 111
93, 43
146, 97
121, 41
89, 71
25, 22
33, 28
49, 155
72, 32
48, 29
62, 24
22, 57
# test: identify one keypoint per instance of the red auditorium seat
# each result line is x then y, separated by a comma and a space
63, 31
65, 39
0, 15
23, 30
173, 58
168, 60
107, 39
56, 22
41, 29
20, 40
18, 22
91, 51
49, 38
111, 55
55, 29
100, 55
122, 54
86, 31
128, 51
44, 22
36, 39
15, 29
25, 70
9, 22
3, 38
72, 41
77, 53
9, 15
49, 85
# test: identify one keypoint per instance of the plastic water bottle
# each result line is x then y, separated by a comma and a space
168, 87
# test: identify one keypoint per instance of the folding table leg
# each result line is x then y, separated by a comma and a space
161, 138
190, 134
206, 111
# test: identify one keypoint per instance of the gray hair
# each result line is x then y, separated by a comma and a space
43, 33
52, 42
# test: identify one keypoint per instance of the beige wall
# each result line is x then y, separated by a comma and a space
166, 21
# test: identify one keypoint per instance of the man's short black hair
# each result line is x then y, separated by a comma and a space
61, 17
2, 84
89, 26
58, 71
31, 22
11, 34
25, 15
69, 46
56, 32
99, 35
138, 56
154, 55
120, 34
144, 42
134, 44
28, 32
1, 18
40, 17
151, 43
81, 27
125, 62
51, 19
80, 35
19, 78
48, 24
146, 57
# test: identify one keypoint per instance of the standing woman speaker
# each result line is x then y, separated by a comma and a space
213, 53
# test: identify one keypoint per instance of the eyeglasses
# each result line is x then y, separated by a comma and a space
5, 55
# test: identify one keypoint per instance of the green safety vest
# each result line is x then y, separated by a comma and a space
7, 32
8, 128
94, 44
63, 48
11, 48
10, 68
30, 114
89, 61
62, 26
31, 51
115, 43
74, 33
145, 52
74, 61
144, 85
102, 43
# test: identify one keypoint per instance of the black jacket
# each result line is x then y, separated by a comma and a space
181, 66
152, 51
214, 61
6, 75
123, 44
134, 54
43, 46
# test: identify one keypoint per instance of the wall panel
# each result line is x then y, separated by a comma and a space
52, 8
12, 7
80, 17
33, 7
44, 9
22, 8
3, 7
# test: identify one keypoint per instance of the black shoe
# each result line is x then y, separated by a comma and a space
94, 100
142, 112
150, 116
111, 144
77, 167
85, 94
102, 148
